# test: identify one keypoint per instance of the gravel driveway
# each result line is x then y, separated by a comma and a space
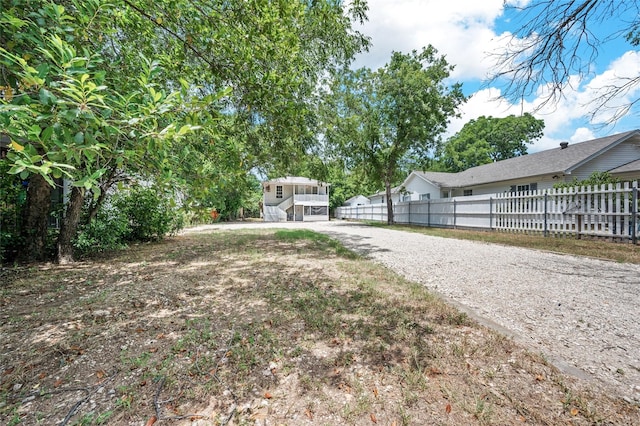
581, 313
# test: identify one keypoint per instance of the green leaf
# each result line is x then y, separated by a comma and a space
14, 170
46, 97
47, 133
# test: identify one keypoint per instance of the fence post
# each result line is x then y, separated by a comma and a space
546, 229
409, 218
454, 213
491, 213
429, 213
634, 212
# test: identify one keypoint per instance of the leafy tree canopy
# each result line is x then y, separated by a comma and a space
488, 139
375, 119
103, 91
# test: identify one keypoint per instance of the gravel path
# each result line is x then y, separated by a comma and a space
581, 313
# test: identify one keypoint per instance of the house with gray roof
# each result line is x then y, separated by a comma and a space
397, 196
357, 200
617, 154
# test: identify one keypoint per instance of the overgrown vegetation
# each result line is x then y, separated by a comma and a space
138, 214
13, 195
273, 326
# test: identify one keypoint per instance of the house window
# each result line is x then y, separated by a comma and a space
445, 194
425, 196
406, 197
315, 210
522, 188
279, 191
467, 192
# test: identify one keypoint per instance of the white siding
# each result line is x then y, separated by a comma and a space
270, 197
542, 182
417, 186
378, 199
615, 157
359, 200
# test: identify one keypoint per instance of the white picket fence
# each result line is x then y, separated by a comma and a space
603, 211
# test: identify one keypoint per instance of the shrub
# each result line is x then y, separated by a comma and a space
150, 214
108, 231
136, 214
13, 195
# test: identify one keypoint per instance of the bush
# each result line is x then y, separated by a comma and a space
108, 231
13, 195
150, 215
137, 214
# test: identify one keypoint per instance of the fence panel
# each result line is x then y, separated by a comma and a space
600, 211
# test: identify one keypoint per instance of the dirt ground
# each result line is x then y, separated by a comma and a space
263, 327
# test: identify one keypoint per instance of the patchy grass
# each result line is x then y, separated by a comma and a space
623, 252
285, 327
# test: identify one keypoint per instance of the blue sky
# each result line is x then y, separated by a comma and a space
465, 31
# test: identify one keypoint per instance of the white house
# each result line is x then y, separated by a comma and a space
381, 197
294, 198
617, 154
358, 200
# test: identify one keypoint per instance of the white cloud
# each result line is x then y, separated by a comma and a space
465, 31
459, 29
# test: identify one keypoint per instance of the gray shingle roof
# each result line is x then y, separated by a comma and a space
552, 161
633, 166
394, 190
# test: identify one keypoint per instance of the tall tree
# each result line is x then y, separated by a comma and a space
488, 139
65, 122
89, 59
377, 118
556, 44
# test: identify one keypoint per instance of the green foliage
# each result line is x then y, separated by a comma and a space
108, 231
132, 215
105, 90
149, 213
12, 198
376, 119
488, 139
595, 179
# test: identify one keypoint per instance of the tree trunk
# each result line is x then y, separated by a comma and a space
69, 225
35, 222
387, 185
94, 208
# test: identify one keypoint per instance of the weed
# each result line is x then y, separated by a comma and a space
15, 419
103, 418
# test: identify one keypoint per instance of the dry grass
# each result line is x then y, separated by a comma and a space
263, 327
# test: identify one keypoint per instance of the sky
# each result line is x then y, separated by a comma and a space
465, 31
